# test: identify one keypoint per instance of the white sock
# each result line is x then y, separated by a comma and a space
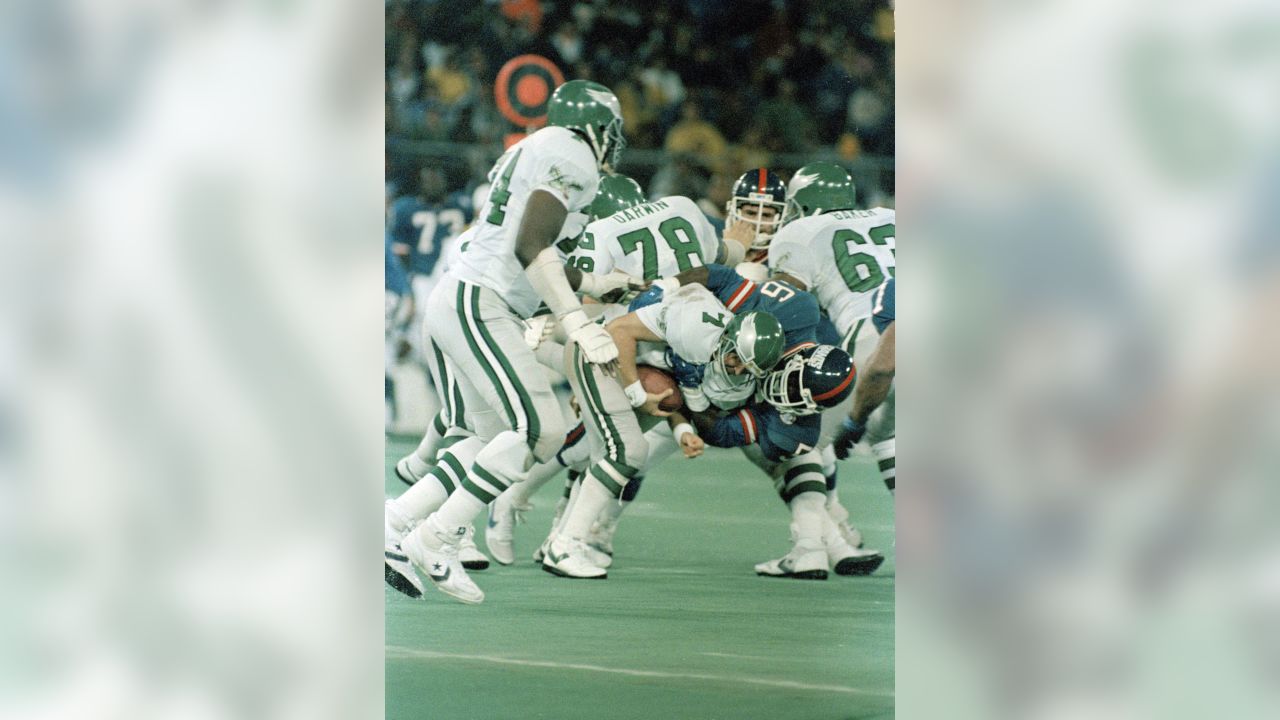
808, 516
458, 511
613, 511
539, 475
591, 497
886, 453
420, 500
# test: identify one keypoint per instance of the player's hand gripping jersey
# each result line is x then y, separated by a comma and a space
552, 159
649, 241
842, 257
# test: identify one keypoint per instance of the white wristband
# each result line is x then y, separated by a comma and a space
636, 394
681, 430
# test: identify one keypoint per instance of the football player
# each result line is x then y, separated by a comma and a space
508, 268
841, 255
697, 327
876, 384
759, 197
649, 240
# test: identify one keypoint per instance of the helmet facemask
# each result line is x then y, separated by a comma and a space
742, 345
765, 229
607, 144
784, 389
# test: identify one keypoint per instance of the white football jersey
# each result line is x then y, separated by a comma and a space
552, 159
690, 320
841, 256
652, 240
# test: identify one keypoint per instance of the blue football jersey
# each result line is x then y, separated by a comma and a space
796, 310
761, 423
827, 332
421, 230
394, 276
882, 311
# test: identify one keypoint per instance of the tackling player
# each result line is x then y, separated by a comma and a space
507, 269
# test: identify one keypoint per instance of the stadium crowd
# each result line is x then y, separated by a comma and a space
721, 86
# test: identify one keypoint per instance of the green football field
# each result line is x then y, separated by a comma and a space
682, 628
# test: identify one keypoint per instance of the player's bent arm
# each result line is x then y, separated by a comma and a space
626, 331
790, 280
874, 382
544, 215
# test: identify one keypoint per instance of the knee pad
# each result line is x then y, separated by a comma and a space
502, 461
551, 437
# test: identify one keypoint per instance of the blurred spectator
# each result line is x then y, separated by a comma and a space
869, 118
788, 125
663, 88
451, 84
680, 176
404, 78
695, 136
528, 13
568, 44
638, 116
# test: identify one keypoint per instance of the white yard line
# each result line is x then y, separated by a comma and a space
404, 652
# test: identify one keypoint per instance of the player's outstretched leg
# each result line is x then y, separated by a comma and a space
420, 500
618, 450
800, 483
505, 512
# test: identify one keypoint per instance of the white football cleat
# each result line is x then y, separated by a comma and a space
840, 516
804, 562
468, 554
568, 558
397, 570
435, 553
600, 543
849, 560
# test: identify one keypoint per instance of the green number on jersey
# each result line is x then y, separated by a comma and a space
686, 249
671, 229
713, 320
500, 194
879, 235
861, 271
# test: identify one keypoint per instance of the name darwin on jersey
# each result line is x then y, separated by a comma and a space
638, 211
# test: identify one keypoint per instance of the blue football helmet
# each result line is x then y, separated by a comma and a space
759, 189
810, 381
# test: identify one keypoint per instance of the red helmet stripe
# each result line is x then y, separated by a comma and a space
763, 172
838, 389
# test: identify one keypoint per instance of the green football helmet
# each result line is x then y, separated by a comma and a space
816, 188
756, 338
591, 110
617, 192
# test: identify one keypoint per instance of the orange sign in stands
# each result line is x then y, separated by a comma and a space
523, 87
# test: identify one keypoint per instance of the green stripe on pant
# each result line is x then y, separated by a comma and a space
534, 428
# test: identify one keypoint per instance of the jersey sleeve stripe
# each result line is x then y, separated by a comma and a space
740, 295
837, 389
748, 426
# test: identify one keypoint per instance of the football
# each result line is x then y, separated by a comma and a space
656, 381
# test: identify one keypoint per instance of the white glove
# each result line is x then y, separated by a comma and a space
753, 271
615, 283
668, 285
595, 341
538, 329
